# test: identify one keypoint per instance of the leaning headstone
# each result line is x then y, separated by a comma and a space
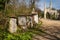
12, 25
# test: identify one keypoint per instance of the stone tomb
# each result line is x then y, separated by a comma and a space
27, 20
13, 25
22, 22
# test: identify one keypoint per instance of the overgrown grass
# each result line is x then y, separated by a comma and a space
21, 34
4, 35
28, 35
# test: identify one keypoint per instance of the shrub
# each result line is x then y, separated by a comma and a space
22, 36
38, 25
5, 35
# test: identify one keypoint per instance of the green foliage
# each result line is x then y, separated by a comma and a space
5, 35
53, 17
2, 4
48, 15
39, 24
22, 36
41, 14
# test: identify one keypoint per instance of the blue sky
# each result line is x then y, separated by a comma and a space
55, 4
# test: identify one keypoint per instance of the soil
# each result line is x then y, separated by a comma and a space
51, 28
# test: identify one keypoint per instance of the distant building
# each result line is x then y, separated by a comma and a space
50, 10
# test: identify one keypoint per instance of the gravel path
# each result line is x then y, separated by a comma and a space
51, 28
47, 22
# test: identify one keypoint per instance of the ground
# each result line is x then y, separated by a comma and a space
51, 30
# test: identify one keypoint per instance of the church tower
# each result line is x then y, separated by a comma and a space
50, 6
45, 9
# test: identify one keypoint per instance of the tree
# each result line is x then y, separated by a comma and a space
11, 8
2, 4
32, 3
17, 7
59, 14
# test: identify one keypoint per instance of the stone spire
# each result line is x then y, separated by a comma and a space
50, 6
45, 10
44, 5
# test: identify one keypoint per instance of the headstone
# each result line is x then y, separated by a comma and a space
22, 20
12, 25
36, 18
30, 22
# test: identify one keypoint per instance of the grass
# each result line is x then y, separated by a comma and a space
27, 35
21, 34
5, 35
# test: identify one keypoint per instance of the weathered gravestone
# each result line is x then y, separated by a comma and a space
30, 21
12, 25
35, 15
36, 18
22, 22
